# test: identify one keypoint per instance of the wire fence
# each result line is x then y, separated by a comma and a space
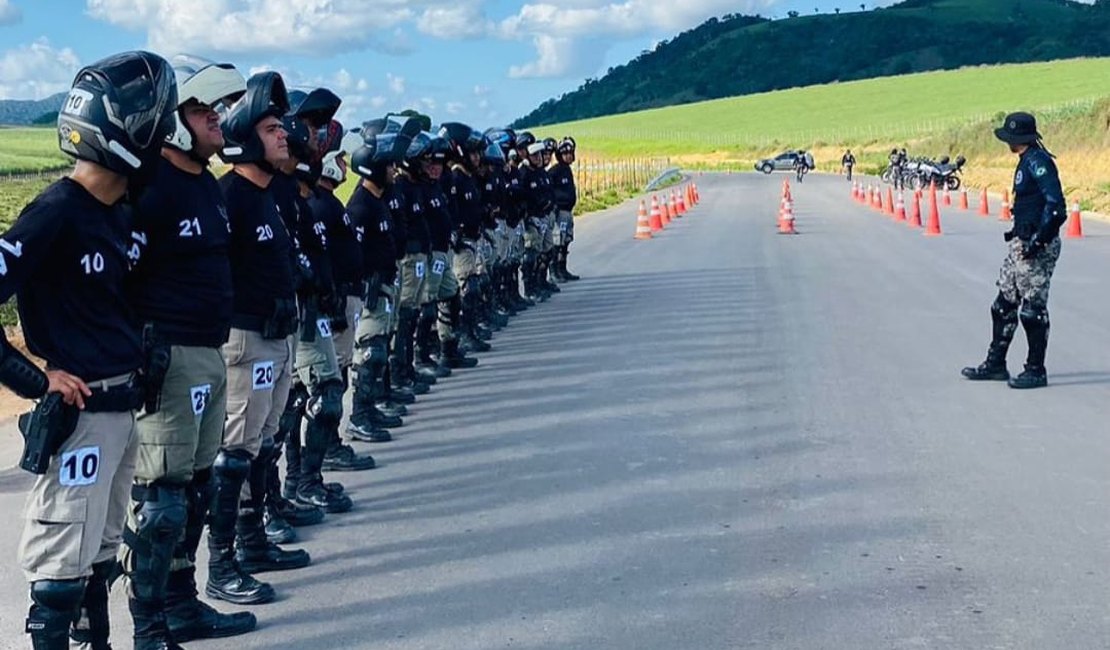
594, 176
724, 138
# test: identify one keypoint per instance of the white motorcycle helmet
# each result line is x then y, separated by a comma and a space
345, 146
205, 82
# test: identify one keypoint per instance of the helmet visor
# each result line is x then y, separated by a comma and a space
142, 100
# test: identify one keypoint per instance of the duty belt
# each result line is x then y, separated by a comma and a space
119, 394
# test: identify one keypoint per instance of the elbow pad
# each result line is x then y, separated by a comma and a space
19, 374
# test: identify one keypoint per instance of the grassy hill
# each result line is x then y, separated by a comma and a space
741, 55
27, 150
949, 112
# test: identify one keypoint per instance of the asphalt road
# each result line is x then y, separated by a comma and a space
727, 438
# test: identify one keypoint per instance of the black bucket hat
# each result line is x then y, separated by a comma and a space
1019, 128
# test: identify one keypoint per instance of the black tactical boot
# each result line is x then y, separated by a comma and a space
1004, 320
1035, 321
453, 357
189, 618
342, 458
255, 553
159, 513
367, 423
226, 580
93, 626
567, 275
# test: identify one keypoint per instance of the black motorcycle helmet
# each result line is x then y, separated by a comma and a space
493, 155
301, 143
503, 138
463, 141
524, 139
425, 147
119, 112
317, 108
372, 160
265, 97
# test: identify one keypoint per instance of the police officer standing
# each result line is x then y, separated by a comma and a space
66, 258
183, 299
848, 161
258, 353
566, 196
1034, 247
368, 209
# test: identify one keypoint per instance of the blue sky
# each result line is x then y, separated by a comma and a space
485, 62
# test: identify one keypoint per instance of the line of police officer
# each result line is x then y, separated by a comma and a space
232, 315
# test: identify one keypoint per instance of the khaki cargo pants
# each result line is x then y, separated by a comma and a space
413, 274
75, 512
259, 374
185, 434
345, 340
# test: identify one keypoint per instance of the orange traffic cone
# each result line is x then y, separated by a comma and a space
963, 199
697, 194
665, 211
674, 207
786, 222
889, 202
984, 204
915, 215
643, 228
932, 226
681, 204
900, 209
1075, 222
1006, 214
947, 197
655, 220
854, 190
786, 190
879, 201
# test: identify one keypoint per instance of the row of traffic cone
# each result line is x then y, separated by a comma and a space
873, 196
663, 213
895, 207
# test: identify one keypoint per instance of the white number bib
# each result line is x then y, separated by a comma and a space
419, 269
262, 376
79, 467
199, 396
323, 325
438, 267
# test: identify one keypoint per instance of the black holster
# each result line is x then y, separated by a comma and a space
156, 363
309, 316
282, 322
45, 430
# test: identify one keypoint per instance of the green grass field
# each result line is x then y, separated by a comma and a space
28, 150
888, 109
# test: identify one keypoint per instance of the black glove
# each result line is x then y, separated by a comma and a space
1008, 235
1031, 249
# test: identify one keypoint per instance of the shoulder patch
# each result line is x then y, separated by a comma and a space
1039, 170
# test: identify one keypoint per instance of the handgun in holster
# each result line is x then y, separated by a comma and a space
372, 290
156, 363
310, 314
45, 430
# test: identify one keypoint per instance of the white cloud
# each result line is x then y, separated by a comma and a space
454, 21
571, 38
9, 13
362, 86
378, 101
343, 80
396, 84
36, 71
454, 108
428, 104
309, 27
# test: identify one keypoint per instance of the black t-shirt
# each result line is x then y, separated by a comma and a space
407, 205
492, 196
261, 248
183, 283
438, 215
536, 189
466, 204
342, 243
67, 258
515, 196
374, 225
562, 181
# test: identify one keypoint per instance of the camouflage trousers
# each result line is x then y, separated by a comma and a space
1027, 280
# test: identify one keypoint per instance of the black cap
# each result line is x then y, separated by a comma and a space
1019, 128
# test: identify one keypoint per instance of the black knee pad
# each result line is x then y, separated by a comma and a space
232, 464
325, 407
1004, 309
58, 595
290, 421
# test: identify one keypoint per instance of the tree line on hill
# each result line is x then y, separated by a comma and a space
741, 55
